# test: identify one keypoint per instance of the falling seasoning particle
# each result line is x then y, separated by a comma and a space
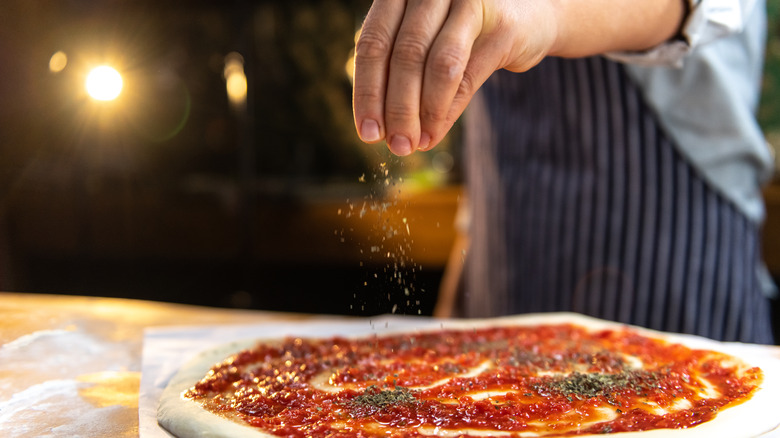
362, 178
406, 291
395, 307
339, 212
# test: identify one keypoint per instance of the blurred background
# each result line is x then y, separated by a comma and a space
226, 171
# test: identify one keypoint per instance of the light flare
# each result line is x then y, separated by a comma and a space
104, 83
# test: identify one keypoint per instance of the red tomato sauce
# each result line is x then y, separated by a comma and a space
557, 380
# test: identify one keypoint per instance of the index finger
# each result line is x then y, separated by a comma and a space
372, 58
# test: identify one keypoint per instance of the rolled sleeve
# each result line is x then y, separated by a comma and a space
707, 20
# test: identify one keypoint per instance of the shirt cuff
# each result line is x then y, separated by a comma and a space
707, 21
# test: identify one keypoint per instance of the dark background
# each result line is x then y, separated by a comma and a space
170, 194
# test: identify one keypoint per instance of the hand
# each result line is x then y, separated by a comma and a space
419, 62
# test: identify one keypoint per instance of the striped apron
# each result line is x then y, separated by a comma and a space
580, 202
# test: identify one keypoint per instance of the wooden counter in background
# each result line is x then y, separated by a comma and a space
299, 227
277, 248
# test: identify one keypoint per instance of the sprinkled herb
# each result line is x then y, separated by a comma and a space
596, 384
382, 398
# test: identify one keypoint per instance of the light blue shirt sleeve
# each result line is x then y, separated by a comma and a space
708, 107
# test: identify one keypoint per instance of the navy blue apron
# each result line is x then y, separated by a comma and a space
580, 202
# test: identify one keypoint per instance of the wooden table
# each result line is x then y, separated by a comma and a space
71, 366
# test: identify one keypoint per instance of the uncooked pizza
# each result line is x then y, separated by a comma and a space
534, 376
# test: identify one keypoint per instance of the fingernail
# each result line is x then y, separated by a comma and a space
425, 141
400, 145
369, 130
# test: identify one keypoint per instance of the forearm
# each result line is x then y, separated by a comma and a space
589, 27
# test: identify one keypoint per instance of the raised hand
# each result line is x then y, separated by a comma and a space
419, 62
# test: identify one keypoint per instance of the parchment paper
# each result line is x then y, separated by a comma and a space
167, 349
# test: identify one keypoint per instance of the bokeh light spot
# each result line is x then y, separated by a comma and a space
58, 62
104, 83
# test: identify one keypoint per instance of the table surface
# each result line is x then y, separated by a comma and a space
71, 365
66, 358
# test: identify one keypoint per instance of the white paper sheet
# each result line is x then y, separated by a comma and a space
167, 349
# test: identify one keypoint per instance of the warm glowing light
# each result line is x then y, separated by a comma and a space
235, 79
104, 83
236, 87
58, 62
349, 67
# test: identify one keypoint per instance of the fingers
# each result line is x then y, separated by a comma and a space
421, 24
416, 70
372, 59
444, 78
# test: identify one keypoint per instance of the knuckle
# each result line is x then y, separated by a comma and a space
410, 52
400, 111
366, 92
468, 85
447, 65
372, 45
433, 116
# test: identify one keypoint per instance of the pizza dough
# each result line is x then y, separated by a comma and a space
186, 418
